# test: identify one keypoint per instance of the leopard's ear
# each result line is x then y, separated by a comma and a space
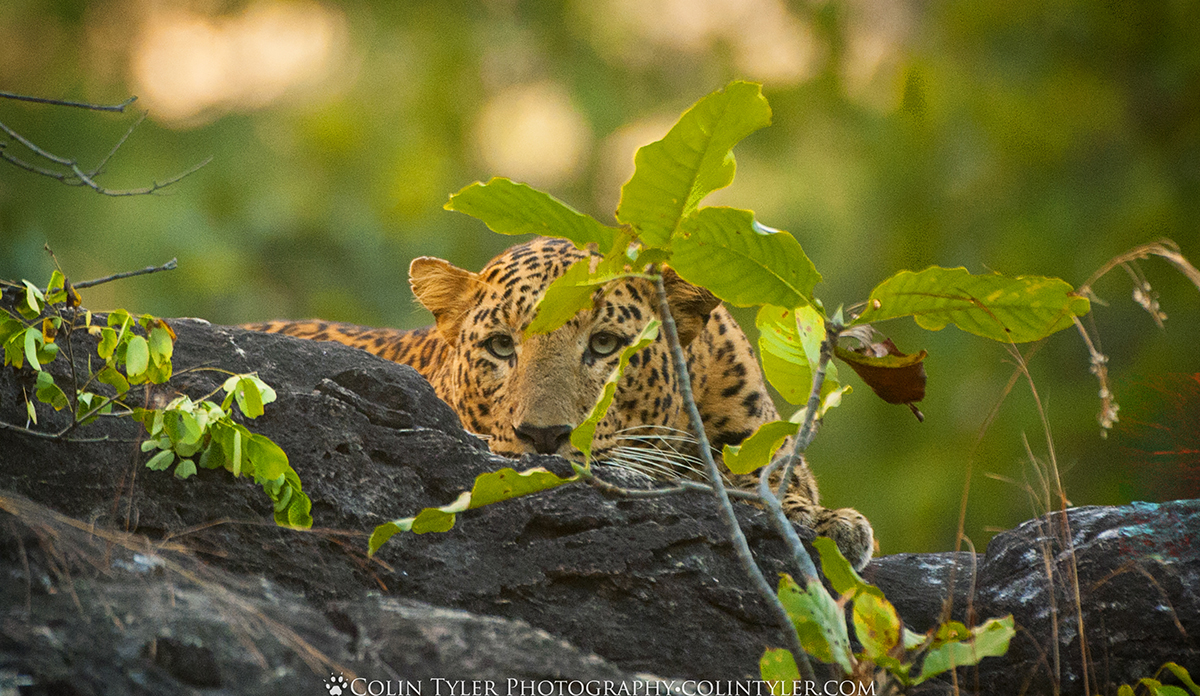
445, 290
690, 305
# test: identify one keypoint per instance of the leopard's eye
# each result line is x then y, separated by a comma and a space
501, 346
604, 343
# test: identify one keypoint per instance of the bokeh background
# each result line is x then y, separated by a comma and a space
1030, 136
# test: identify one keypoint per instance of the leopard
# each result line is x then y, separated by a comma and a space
526, 393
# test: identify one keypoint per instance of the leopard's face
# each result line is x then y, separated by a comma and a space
527, 392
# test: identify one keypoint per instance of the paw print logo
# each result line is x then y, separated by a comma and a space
336, 686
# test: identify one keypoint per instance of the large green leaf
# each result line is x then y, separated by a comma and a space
695, 158
789, 343
756, 451
956, 646
511, 208
839, 572
876, 624
1019, 309
819, 621
741, 261
564, 298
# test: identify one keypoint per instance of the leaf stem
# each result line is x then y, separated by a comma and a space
740, 545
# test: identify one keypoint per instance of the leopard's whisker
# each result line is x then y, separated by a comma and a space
643, 461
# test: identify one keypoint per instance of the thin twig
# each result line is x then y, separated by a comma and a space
52, 436
120, 142
76, 176
808, 430
783, 526
119, 108
168, 266
740, 545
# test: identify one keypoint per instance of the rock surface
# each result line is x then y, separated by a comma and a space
199, 590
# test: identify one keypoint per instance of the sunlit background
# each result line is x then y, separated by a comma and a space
1025, 137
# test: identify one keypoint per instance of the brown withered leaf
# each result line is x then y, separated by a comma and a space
897, 378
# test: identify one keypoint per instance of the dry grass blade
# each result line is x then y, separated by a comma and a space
71, 544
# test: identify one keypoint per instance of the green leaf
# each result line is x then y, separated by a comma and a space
31, 412
50, 393
299, 512
31, 302
433, 520
137, 357
181, 427
671, 176
213, 457
270, 461
9, 328
119, 317
511, 208
185, 469
88, 401
778, 669
110, 376
14, 348
250, 392
819, 621
789, 342
439, 519
876, 624
33, 342
385, 531
564, 298
1182, 675
491, 487
161, 346
508, 483
756, 451
54, 291
108, 343
742, 262
955, 646
839, 572
161, 461
1019, 309
581, 436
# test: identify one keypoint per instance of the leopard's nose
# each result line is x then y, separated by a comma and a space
544, 439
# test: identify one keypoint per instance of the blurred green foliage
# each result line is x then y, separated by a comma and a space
1024, 137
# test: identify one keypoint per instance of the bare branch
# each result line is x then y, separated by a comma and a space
76, 176
168, 266
120, 108
740, 546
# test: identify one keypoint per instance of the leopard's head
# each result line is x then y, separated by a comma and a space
527, 392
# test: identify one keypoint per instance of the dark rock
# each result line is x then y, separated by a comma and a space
648, 585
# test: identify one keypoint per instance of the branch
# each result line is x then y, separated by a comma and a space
740, 545
76, 176
168, 266
62, 102
808, 430
51, 436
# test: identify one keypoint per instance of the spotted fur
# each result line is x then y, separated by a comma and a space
529, 399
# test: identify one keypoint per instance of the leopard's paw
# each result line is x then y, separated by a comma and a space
851, 532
